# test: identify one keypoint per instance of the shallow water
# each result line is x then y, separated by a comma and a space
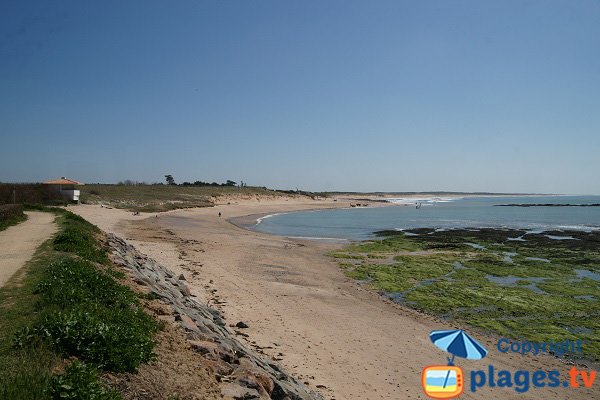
512, 281
476, 246
508, 256
584, 273
475, 212
537, 259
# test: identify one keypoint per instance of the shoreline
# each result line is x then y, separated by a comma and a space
248, 221
342, 339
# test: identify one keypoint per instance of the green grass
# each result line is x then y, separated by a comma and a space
154, 198
439, 274
24, 373
91, 316
12, 221
79, 237
69, 304
80, 381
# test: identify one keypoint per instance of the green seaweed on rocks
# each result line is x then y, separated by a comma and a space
536, 287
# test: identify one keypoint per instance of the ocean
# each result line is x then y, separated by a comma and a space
436, 212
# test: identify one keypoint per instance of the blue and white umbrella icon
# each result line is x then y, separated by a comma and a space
458, 343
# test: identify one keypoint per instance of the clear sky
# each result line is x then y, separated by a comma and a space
320, 95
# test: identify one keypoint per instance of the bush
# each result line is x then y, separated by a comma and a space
10, 211
11, 215
91, 316
80, 382
114, 340
23, 193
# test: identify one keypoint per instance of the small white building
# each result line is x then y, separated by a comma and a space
64, 187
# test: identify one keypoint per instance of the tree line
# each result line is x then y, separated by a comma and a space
171, 181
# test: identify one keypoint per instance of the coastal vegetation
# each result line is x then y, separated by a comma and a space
536, 286
66, 318
143, 197
11, 214
29, 193
159, 197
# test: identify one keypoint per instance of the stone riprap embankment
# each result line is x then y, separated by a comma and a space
242, 372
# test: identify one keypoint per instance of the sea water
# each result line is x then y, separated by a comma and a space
437, 212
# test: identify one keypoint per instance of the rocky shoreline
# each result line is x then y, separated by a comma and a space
242, 372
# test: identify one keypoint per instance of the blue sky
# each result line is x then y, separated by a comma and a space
319, 95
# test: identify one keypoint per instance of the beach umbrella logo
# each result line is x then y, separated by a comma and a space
459, 344
446, 381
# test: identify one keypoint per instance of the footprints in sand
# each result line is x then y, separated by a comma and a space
234, 281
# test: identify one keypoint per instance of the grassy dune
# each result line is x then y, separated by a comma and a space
538, 289
151, 198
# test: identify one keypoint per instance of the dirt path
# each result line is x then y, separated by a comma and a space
19, 242
303, 312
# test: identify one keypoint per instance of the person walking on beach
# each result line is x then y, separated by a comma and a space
219, 214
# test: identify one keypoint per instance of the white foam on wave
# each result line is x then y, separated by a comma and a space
317, 238
259, 220
586, 228
426, 200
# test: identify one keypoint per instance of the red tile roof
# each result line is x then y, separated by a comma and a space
62, 181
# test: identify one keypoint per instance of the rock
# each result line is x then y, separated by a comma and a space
222, 368
139, 281
251, 376
236, 392
205, 348
246, 374
181, 277
187, 323
185, 290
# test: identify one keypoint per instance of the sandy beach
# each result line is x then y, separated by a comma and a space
338, 337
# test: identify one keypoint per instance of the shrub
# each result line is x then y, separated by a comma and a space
80, 382
23, 193
9, 211
91, 316
11, 214
114, 340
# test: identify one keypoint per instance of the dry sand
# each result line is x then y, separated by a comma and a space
302, 311
18, 243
